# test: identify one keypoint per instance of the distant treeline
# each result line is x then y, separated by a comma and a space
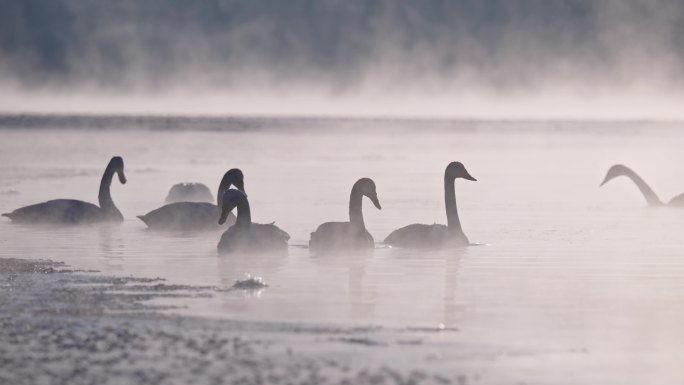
341, 43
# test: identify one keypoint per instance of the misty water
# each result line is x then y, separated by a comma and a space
564, 268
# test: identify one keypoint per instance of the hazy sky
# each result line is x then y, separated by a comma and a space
493, 58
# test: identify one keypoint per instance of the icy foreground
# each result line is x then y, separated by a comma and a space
60, 326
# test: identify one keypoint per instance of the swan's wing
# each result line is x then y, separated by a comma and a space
185, 216
189, 192
257, 238
68, 211
328, 229
340, 235
415, 235
422, 236
276, 231
270, 233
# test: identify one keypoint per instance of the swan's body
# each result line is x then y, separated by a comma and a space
245, 236
71, 211
184, 216
436, 236
340, 236
189, 192
348, 235
651, 197
194, 215
421, 236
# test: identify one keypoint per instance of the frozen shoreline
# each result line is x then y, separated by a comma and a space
60, 326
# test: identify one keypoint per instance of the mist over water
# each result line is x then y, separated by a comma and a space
569, 282
501, 59
572, 275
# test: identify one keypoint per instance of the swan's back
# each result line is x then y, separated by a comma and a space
185, 216
253, 239
422, 236
189, 192
340, 236
65, 211
677, 201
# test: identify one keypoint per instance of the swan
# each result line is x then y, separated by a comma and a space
71, 211
189, 192
194, 215
352, 234
245, 236
651, 197
436, 236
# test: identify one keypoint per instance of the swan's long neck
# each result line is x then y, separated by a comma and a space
105, 197
355, 209
450, 202
223, 187
645, 189
244, 215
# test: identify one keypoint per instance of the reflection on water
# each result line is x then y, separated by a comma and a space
566, 266
112, 248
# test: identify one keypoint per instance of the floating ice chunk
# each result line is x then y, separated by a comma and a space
249, 283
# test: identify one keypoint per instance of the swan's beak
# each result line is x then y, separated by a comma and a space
468, 176
122, 177
376, 202
604, 181
227, 208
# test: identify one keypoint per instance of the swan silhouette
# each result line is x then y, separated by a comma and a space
194, 215
436, 236
71, 211
651, 197
245, 236
352, 234
189, 192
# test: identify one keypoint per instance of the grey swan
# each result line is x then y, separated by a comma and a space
422, 236
189, 192
651, 197
71, 211
352, 235
245, 236
185, 216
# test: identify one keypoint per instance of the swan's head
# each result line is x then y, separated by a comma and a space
614, 172
231, 198
366, 186
117, 164
233, 177
457, 170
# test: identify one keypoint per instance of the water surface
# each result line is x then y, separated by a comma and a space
574, 273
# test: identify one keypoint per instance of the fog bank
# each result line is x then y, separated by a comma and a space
519, 58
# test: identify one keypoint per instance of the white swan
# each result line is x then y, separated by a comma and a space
245, 236
352, 234
189, 192
70, 211
651, 197
194, 215
436, 236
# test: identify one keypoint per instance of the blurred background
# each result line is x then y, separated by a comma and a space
496, 59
